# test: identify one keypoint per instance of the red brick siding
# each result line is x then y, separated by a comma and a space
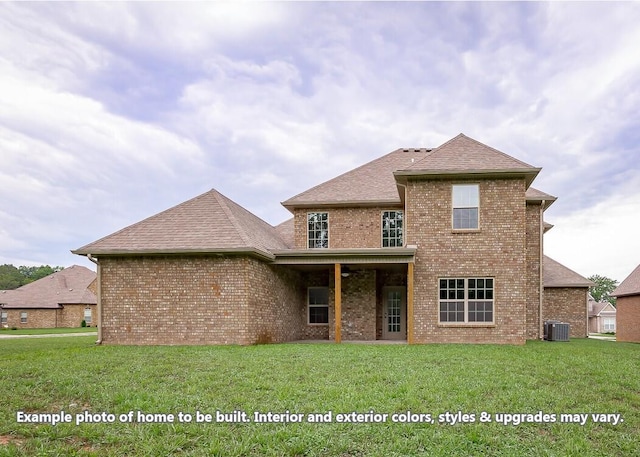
358, 307
36, 318
175, 300
348, 227
567, 304
628, 318
73, 315
533, 271
277, 304
497, 250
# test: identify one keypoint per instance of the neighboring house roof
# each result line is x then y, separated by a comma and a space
630, 286
557, 275
597, 307
464, 155
208, 223
65, 287
371, 183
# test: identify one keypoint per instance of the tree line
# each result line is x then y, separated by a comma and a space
12, 277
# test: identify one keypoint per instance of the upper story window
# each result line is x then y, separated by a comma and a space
392, 229
318, 230
466, 202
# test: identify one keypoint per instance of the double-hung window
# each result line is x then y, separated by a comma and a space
392, 229
318, 230
609, 324
466, 300
318, 305
87, 315
466, 202
23, 317
3, 318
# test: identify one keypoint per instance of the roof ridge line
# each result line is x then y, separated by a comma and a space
341, 175
232, 217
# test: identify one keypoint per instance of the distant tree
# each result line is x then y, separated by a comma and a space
10, 277
34, 273
603, 288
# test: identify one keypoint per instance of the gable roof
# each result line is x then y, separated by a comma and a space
630, 286
208, 223
554, 274
68, 286
534, 195
597, 307
371, 183
462, 155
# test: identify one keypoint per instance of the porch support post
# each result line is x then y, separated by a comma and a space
410, 303
338, 302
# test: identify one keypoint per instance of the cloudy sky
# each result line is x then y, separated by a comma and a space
112, 112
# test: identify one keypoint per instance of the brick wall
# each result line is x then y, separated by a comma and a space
567, 304
73, 315
628, 319
36, 318
533, 271
277, 303
348, 227
175, 300
496, 250
322, 278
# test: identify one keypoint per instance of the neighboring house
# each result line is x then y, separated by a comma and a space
628, 307
602, 316
423, 245
565, 297
62, 299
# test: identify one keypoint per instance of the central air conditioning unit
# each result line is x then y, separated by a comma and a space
556, 331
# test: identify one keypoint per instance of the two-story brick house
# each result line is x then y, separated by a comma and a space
422, 245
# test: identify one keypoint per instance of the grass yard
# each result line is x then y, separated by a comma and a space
74, 375
47, 331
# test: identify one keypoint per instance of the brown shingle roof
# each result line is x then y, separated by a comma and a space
68, 286
208, 223
464, 155
555, 274
630, 286
286, 230
372, 182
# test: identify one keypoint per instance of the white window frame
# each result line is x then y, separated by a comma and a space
87, 313
396, 241
23, 317
463, 296
318, 243
609, 322
3, 317
465, 202
316, 305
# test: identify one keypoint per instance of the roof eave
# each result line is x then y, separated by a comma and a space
152, 252
569, 285
340, 203
364, 255
528, 173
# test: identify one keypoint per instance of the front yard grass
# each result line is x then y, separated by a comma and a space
74, 375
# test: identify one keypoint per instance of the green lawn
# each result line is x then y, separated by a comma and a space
74, 375
47, 331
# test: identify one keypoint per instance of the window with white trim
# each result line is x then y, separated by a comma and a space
609, 324
23, 317
466, 300
318, 305
466, 202
3, 317
392, 229
318, 230
87, 315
